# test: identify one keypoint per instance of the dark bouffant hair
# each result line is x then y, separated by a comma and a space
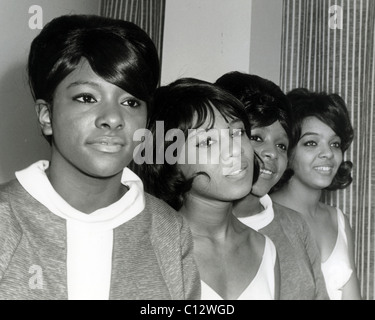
184, 104
265, 103
118, 51
330, 109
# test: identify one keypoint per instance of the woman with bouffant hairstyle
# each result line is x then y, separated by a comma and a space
322, 132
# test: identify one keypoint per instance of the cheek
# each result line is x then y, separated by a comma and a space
206, 184
339, 156
248, 149
298, 162
189, 170
133, 123
69, 128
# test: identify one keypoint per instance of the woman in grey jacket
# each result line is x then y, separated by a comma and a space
80, 225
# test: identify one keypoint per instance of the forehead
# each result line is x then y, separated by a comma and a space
315, 126
275, 128
83, 71
215, 120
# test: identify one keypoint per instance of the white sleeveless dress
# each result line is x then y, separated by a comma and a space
336, 269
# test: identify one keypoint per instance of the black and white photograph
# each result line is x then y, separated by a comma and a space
187, 154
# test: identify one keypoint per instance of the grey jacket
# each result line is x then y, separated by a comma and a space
152, 253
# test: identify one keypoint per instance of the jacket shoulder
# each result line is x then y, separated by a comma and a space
10, 230
160, 209
286, 213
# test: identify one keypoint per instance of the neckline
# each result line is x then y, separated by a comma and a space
250, 283
337, 239
262, 219
35, 181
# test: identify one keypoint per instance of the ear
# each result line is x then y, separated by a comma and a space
43, 112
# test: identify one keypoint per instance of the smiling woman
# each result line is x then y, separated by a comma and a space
270, 117
234, 261
322, 132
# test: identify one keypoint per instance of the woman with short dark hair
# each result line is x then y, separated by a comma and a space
322, 132
214, 166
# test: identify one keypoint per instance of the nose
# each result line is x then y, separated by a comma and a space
269, 151
325, 151
231, 147
110, 117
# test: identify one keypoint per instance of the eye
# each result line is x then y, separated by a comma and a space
132, 103
205, 143
310, 143
282, 146
255, 138
85, 98
336, 145
238, 132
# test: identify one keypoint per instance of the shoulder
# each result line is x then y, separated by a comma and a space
293, 224
285, 214
160, 208
10, 230
9, 188
335, 216
343, 221
9, 192
163, 217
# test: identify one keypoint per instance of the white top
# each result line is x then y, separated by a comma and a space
89, 236
262, 287
261, 219
336, 269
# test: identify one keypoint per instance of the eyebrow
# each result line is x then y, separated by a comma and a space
315, 134
83, 82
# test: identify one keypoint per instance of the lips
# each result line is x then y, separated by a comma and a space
235, 171
107, 144
324, 169
266, 171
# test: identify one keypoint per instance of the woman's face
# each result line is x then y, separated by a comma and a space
317, 156
93, 123
271, 144
225, 154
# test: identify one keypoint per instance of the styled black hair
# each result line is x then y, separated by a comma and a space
184, 104
330, 109
118, 51
265, 103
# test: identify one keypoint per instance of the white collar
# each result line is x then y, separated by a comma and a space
261, 219
37, 184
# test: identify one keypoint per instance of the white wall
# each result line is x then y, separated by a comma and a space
202, 39
205, 38
20, 140
265, 48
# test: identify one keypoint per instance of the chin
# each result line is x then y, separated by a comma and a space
239, 195
259, 191
104, 170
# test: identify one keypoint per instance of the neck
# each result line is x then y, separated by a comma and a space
247, 206
83, 192
207, 218
299, 197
